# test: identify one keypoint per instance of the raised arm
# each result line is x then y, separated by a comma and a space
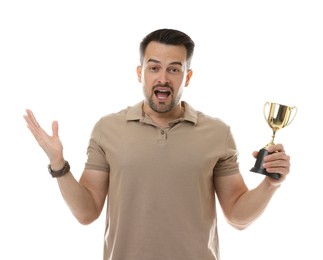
86, 197
242, 206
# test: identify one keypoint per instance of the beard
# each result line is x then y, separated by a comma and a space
161, 107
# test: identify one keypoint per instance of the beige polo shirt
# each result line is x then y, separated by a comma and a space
161, 198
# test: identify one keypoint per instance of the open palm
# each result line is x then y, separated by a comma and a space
50, 144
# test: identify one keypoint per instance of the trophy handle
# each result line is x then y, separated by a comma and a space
264, 110
295, 109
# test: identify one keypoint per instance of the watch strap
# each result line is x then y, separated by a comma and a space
61, 172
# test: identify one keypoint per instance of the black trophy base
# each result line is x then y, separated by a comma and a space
258, 165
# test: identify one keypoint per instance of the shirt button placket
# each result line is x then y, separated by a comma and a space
162, 136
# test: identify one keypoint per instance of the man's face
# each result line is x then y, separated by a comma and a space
163, 74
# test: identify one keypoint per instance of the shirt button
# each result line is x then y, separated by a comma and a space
162, 132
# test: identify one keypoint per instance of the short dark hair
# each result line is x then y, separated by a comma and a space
171, 37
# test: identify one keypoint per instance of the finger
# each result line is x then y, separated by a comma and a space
32, 123
276, 156
281, 165
255, 153
32, 118
55, 128
34, 126
276, 148
282, 171
277, 164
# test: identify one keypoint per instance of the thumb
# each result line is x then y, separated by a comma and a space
55, 128
255, 153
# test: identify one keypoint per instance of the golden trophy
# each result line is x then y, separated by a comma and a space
278, 117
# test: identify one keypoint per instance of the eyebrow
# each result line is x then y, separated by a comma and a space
172, 63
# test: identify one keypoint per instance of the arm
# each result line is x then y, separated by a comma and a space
242, 206
86, 197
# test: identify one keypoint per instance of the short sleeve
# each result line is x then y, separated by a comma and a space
228, 162
96, 157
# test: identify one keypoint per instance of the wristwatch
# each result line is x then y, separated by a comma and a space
61, 172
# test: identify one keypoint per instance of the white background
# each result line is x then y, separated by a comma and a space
74, 61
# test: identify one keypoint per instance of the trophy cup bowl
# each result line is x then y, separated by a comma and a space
278, 116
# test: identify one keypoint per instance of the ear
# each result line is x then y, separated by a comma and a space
139, 70
188, 77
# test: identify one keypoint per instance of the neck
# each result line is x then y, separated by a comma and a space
162, 119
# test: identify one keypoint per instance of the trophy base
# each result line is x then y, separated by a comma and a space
258, 165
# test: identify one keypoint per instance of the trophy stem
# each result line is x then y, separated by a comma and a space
272, 140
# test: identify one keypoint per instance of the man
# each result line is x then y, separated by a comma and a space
161, 165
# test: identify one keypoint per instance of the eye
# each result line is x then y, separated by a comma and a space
154, 68
173, 70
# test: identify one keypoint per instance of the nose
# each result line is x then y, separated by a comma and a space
163, 77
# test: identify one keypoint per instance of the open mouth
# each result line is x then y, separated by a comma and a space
162, 93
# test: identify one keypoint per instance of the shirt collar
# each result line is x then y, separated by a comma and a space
136, 113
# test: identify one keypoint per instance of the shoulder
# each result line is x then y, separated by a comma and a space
207, 119
118, 120
201, 119
133, 112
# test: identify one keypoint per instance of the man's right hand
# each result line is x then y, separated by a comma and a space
50, 144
